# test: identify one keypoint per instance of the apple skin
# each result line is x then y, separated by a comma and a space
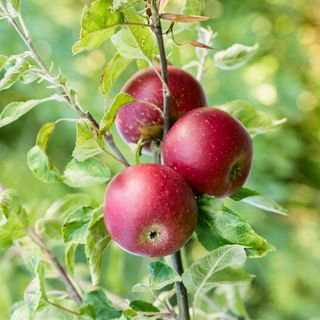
211, 150
144, 120
149, 210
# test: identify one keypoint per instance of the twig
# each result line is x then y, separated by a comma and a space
157, 29
58, 306
63, 275
65, 93
182, 295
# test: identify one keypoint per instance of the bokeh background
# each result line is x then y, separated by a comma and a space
281, 79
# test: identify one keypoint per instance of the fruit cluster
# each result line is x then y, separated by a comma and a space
150, 209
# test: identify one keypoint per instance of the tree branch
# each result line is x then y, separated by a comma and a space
63, 275
182, 295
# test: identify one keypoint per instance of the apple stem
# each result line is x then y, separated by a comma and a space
64, 90
182, 294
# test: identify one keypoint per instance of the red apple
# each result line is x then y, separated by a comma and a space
149, 210
211, 150
138, 119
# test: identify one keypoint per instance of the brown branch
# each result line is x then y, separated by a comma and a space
182, 295
63, 275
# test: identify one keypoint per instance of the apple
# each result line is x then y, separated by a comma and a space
211, 150
144, 119
149, 210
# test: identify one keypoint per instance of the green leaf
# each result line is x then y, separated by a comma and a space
255, 121
109, 117
97, 25
15, 110
258, 200
62, 207
233, 297
126, 45
76, 225
96, 242
35, 291
86, 173
143, 306
161, 275
33, 254
234, 57
102, 306
14, 72
50, 227
69, 255
111, 72
38, 160
219, 225
193, 7
88, 143
143, 36
13, 218
3, 61
218, 267
20, 313
135, 42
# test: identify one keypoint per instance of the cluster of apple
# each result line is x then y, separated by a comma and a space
150, 209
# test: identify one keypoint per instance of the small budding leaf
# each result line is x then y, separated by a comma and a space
255, 121
111, 72
219, 225
107, 120
86, 173
13, 218
98, 24
258, 200
38, 160
221, 266
235, 56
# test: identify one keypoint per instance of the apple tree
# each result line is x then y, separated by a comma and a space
191, 159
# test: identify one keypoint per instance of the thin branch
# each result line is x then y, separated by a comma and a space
63, 275
65, 92
62, 308
157, 29
182, 295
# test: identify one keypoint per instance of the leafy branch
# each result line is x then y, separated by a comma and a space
67, 94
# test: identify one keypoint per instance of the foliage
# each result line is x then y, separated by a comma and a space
287, 170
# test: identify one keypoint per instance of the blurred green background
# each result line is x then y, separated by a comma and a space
282, 79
